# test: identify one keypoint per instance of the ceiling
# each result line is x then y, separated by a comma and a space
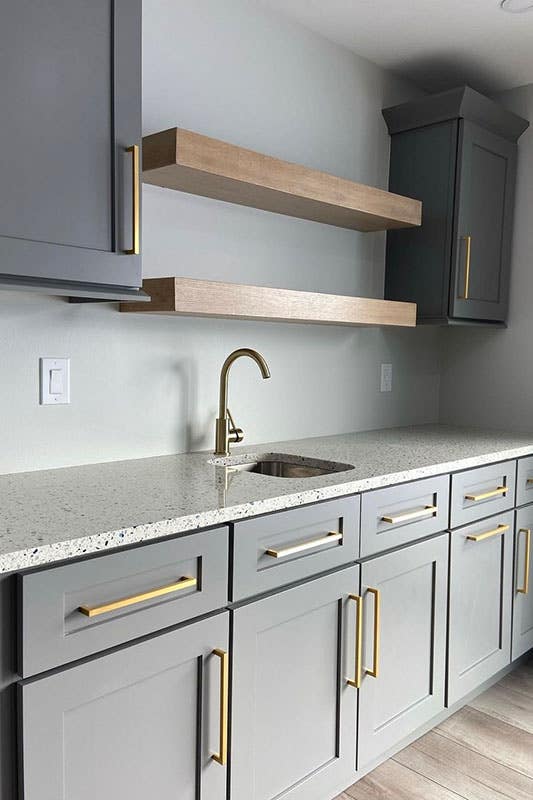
435, 43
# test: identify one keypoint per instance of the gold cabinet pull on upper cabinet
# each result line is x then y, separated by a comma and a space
332, 536
161, 591
356, 681
418, 513
374, 672
135, 199
222, 756
524, 589
479, 537
486, 495
466, 289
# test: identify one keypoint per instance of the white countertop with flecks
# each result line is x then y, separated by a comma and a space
52, 515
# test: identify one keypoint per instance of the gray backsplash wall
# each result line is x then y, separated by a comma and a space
145, 386
487, 377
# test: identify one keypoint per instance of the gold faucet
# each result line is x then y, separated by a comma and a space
226, 430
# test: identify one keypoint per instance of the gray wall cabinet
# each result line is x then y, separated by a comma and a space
294, 713
457, 153
141, 722
523, 584
70, 81
411, 634
480, 598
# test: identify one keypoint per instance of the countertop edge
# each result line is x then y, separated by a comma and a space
110, 540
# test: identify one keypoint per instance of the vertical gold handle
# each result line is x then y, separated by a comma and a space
356, 681
525, 588
466, 292
222, 756
374, 672
135, 200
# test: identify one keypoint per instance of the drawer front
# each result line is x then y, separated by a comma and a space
275, 550
401, 514
478, 493
75, 610
479, 625
524, 483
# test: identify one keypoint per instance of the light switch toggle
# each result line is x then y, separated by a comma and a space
55, 381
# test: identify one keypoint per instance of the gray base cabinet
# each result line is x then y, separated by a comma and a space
294, 713
138, 723
404, 646
523, 584
70, 82
481, 571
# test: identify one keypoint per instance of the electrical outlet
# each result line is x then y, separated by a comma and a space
386, 378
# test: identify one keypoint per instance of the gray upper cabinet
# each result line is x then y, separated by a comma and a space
404, 644
70, 82
293, 710
141, 722
456, 152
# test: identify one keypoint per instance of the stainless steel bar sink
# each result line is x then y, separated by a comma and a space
278, 465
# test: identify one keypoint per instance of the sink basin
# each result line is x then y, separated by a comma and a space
278, 465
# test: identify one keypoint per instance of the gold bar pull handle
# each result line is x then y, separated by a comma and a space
524, 589
500, 490
374, 672
529, 480
124, 602
332, 536
135, 199
356, 681
480, 537
419, 513
466, 288
222, 756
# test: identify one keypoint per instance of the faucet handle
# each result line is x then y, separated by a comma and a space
236, 434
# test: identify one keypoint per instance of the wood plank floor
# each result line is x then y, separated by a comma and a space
483, 752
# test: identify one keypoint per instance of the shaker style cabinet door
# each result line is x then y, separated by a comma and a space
481, 571
482, 245
294, 712
142, 722
70, 82
523, 584
404, 644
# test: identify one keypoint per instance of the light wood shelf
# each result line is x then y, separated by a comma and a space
199, 298
190, 162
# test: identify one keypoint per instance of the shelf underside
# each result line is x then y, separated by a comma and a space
189, 162
199, 298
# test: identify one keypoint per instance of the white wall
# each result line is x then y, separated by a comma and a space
487, 377
148, 385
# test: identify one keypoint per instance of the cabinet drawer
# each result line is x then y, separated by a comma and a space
274, 550
479, 622
401, 514
478, 493
524, 482
69, 612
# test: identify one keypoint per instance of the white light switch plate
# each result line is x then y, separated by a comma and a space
386, 378
54, 381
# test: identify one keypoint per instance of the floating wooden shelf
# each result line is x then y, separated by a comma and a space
196, 298
189, 162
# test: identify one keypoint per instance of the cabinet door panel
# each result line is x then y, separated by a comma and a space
293, 728
409, 688
486, 178
137, 723
70, 83
480, 604
523, 583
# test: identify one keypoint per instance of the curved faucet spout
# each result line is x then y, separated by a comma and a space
222, 438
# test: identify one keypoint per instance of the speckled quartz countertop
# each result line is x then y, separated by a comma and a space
52, 515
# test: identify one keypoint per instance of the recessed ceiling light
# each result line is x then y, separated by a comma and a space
517, 6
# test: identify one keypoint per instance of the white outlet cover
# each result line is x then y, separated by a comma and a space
386, 378
54, 381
